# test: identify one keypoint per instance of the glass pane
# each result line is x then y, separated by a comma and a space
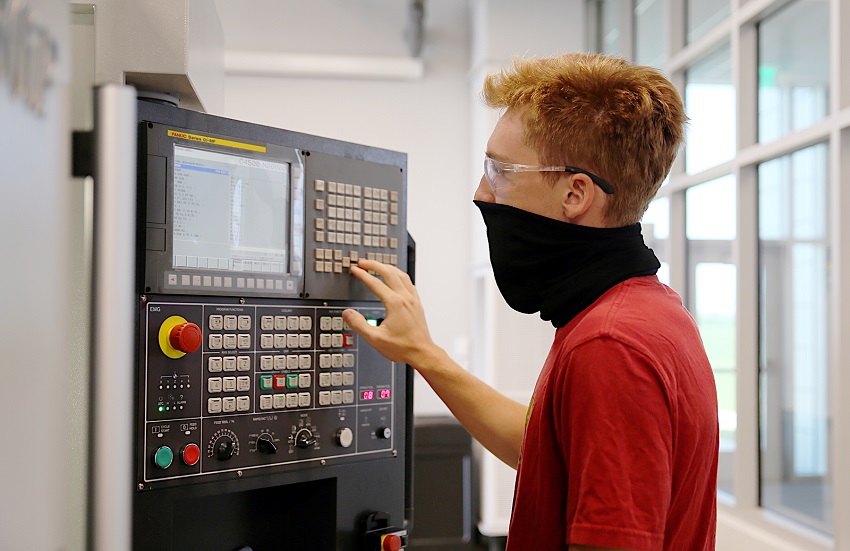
710, 105
650, 32
703, 15
610, 23
711, 229
656, 234
794, 295
793, 68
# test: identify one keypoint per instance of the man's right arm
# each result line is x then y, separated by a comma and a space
492, 418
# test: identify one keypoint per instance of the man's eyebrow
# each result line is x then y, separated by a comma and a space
497, 156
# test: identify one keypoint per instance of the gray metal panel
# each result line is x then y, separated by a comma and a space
113, 323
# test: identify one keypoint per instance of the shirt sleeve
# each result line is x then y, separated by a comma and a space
616, 435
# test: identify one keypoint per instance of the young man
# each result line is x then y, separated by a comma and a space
618, 448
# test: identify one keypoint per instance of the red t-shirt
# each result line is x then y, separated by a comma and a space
620, 448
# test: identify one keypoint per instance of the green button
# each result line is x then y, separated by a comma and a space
163, 457
266, 382
292, 381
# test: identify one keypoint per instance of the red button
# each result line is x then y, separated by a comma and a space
390, 542
279, 381
348, 340
190, 453
185, 337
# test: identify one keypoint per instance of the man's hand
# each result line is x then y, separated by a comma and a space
403, 335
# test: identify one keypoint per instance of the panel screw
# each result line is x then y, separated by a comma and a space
323, 461
239, 474
144, 299
141, 486
241, 301
395, 453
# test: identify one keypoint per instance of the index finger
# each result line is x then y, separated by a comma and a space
394, 278
378, 287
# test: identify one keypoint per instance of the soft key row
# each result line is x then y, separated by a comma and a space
286, 340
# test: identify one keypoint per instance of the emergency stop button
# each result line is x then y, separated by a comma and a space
178, 337
390, 542
185, 337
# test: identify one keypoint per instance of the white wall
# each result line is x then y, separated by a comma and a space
429, 120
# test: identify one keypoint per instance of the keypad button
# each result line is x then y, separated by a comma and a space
243, 384
324, 398
228, 405
214, 384
348, 378
215, 365
229, 342
305, 323
216, 323
326, 322
280, 341
266, 341
266, 363
243, 403
304, 399
305, 340
280, 322
292, 400
324, 379
292, 362
280, 363
324, 361
243, 341
244, 323
347, 396
267, 323
215, 341
243, 363
214, 405
304, 361
336, 378
348, 360
304, 380
230, 323
266, 401
266, 382
229, 384
229, 363
279, 401
336, 397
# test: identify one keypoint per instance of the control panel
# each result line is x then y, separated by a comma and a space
236, 387
261, 418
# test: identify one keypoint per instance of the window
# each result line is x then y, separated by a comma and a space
650, 38
793, 68
794, 293
711, 229
656, 234
702, 15
710, 105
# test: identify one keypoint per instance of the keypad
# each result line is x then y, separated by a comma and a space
354, 222
296, 360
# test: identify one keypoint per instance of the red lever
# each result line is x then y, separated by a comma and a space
185, 337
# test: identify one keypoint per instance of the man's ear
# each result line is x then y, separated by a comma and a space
578, 197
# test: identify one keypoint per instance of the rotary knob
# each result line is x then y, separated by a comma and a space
265, 444
224, 448
304, 438
185, 337
384, 433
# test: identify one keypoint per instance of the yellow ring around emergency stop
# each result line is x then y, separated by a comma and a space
165, 333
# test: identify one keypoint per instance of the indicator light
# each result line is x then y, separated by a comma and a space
371, 321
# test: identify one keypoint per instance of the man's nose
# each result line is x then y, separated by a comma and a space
484, 192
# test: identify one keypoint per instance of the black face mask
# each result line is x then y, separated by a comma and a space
556, 268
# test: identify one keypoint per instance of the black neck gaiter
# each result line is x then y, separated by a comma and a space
556, 268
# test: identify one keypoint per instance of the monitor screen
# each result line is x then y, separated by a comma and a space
231, 212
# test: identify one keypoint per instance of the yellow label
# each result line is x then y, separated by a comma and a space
216, 141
